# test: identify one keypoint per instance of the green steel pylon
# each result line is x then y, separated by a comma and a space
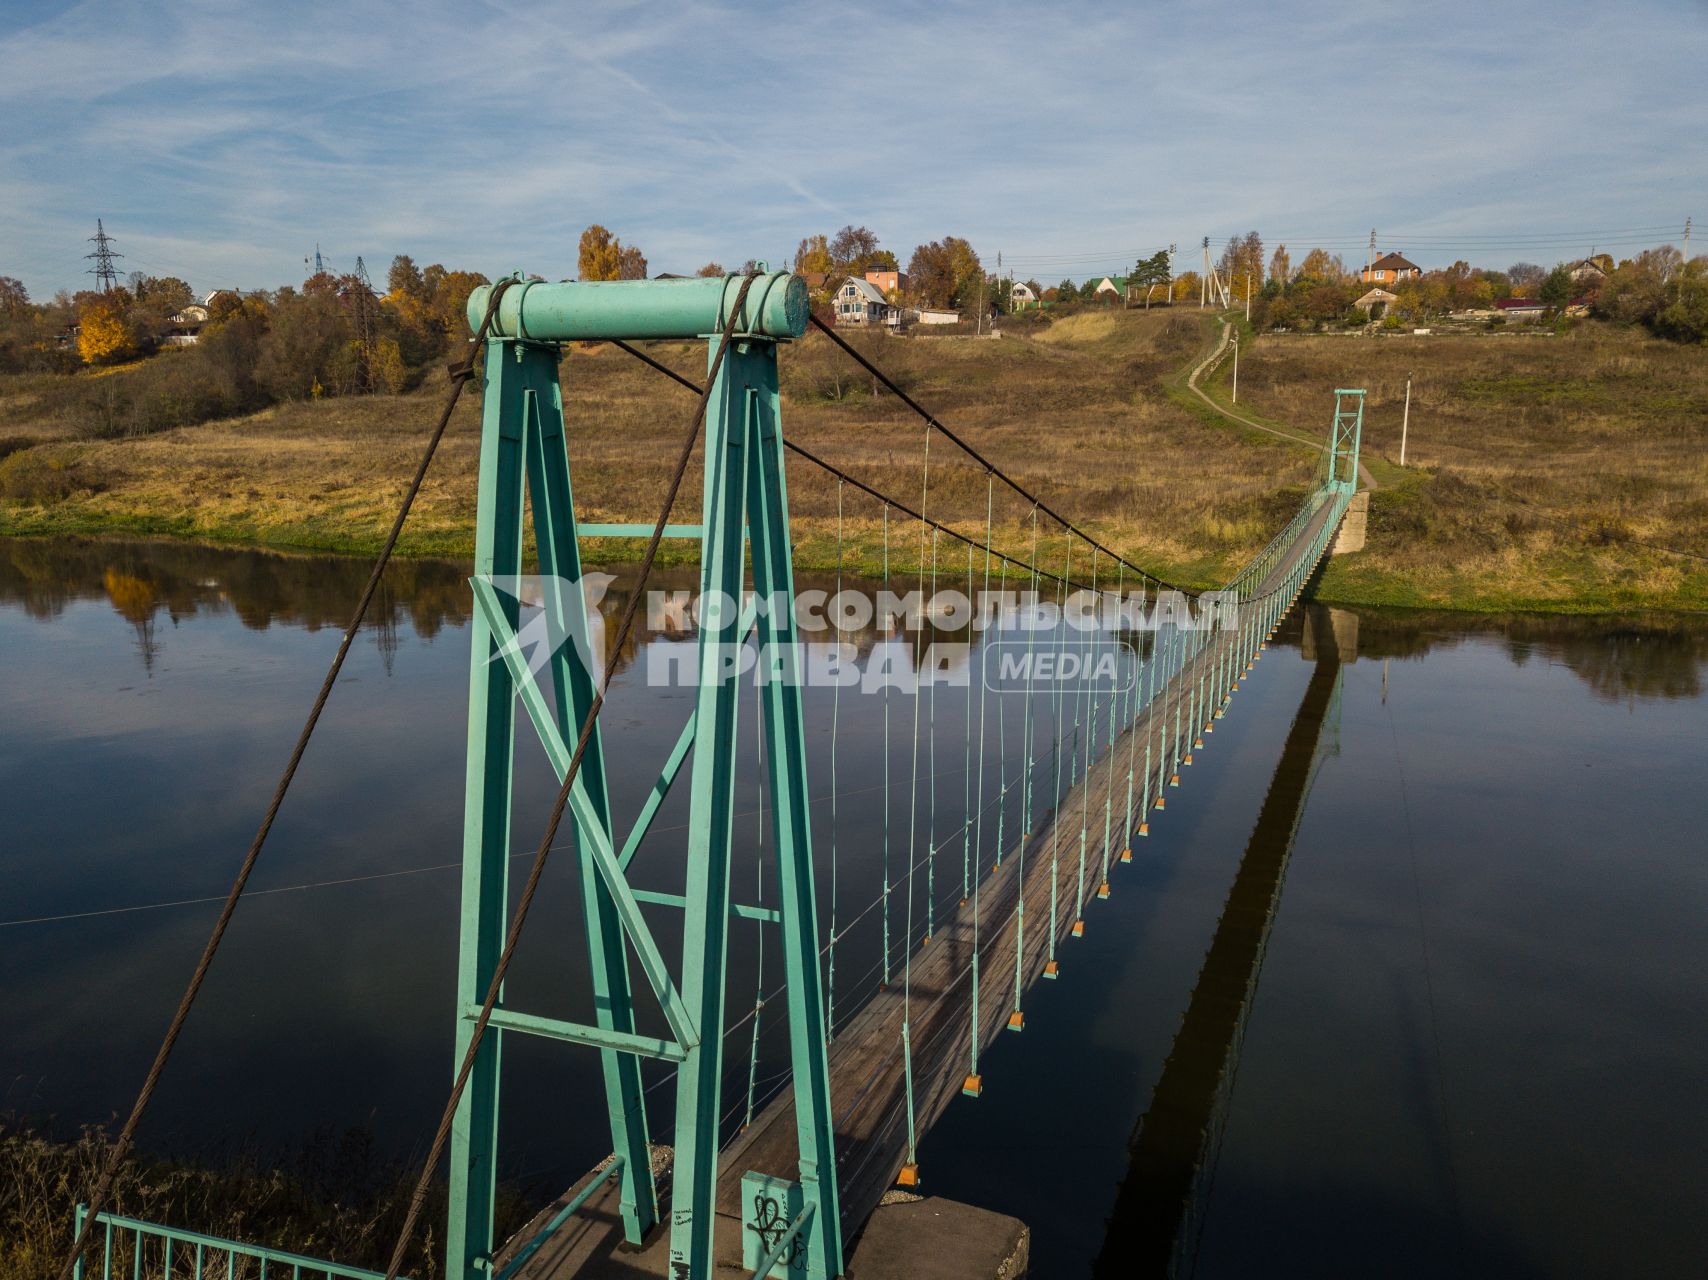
745, 500
1345, 438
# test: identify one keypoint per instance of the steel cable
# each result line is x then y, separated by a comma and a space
932, 421
459, 374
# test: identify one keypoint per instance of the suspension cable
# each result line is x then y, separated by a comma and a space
831, 468
986, 463
835, 730
930, 653
886, 893
759, 925
460, 373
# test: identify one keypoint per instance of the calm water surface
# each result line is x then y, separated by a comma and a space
1452, 872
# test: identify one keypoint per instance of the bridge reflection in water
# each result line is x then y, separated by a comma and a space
1153, 1227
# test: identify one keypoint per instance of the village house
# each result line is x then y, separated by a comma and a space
1108, 289
1593, 269
1520, 308
1375, 304
186, 326
1390, 268
860, 302
1020, 296
889, 283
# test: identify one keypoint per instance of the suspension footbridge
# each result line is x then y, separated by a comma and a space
977, 909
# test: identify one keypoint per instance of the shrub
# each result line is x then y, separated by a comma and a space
42, 476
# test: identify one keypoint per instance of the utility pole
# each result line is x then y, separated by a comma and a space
1405, 421
1204, 280
105, 276
1370, 258
1686, 262
1236, 367
1248, 297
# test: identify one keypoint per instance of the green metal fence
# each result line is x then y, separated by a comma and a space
149, 1251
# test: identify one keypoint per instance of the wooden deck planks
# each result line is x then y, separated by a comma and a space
867, 1085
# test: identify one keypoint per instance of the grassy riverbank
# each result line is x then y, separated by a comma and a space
331, 1198
1538, 464
1559, 472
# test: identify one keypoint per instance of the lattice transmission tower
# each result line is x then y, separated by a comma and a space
105, 276
362, 312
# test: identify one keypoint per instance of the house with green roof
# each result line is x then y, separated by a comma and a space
1108, 289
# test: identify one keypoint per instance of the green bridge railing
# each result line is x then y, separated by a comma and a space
132, 1248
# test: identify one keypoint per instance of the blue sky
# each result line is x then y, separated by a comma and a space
221, 141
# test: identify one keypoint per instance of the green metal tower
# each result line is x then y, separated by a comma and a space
1345, 438
745, 508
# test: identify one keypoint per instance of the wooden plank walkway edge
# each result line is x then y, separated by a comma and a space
868, 1091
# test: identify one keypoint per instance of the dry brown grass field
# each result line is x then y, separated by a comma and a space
1539, 462
1543, 470
1080, 417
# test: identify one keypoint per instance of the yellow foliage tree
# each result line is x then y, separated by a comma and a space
601, 256
813, 254
102, 337
385, 364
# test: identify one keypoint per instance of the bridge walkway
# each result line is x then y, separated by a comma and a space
867, 1081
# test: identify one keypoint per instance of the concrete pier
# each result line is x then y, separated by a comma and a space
1351, 536
907, 1237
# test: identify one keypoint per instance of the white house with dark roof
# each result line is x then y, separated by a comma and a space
860, 302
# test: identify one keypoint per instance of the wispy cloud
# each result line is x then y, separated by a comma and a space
223, 142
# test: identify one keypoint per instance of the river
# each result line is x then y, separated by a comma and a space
1432, 904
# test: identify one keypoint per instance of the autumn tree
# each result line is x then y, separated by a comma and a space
404, 279
631, 263
1640, 288
1525, 277
604, 257
17, 325
1320, 265
813, 254
104, 337
14, 298
946, 273
1685, 318
711, 269
167, 294
1280, 264
852, 250
1242, 261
